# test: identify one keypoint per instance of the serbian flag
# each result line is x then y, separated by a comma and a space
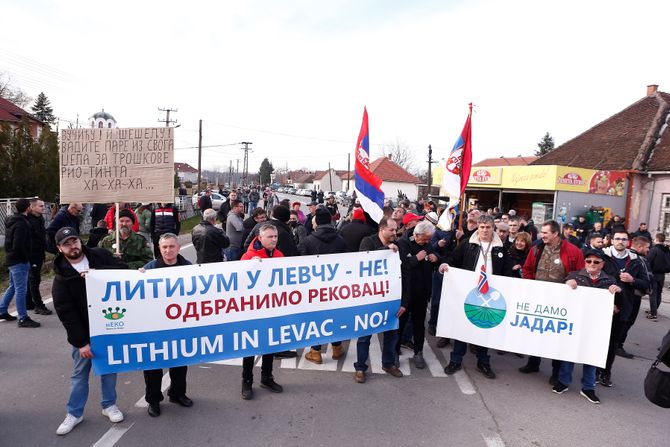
457, 169
367, 185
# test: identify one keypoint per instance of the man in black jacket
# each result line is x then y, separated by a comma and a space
38, 245
258, 215
280, 218
323, 240
17, 249
164, 219
383, 240
659, 263
417, 264
225, 208
69, 294
208, 240
356, 230
205, 201
483, 249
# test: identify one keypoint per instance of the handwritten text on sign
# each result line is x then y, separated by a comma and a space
191, 314
113, 165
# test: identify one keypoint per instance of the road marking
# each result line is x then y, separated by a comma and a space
464, 383
350, 357
494, 441
434, 365
327, 365
112, 436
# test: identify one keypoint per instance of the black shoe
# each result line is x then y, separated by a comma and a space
27, 322
247, 392
621, 352
154, 410
286, 354
7, 317
451, 368
183, 401
527, 369
559, 388
42, 310
605, 380
270, 384
486, 370
590, 395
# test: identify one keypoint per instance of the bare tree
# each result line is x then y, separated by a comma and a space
13, 94
400, 153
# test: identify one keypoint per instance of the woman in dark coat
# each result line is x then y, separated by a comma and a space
518, 253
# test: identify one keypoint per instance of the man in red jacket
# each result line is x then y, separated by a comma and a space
263, 246
551, 260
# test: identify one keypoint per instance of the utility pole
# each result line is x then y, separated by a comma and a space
230, 175
167, 119
430, 176
197, 189
245, 165
330, 177
237, 172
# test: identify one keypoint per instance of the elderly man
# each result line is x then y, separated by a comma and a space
383, 240
208, 240
168, 244
68, 217
502, 230
263, 246
482, 251
134, 248
590, 276
417, 264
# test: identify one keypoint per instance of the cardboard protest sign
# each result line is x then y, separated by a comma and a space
117, 165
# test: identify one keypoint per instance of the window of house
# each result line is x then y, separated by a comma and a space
665, 214
100, 125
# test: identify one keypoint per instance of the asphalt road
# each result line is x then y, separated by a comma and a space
323, 406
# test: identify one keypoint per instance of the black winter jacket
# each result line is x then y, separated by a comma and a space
354, 232
285, 241
416, 275
37, 238
631, 293
467, 253
658, 257
322, 241
208, 242
17, 240
69, 292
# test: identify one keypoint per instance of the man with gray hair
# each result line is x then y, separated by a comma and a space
482, 251
208, 240
417, 264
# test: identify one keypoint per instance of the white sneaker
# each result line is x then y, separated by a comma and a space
68, 424
113, 413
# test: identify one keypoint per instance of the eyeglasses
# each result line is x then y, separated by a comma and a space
622, 239
593, 261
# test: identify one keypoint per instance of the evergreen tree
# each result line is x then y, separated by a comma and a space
264, 172
545, 145
42, 109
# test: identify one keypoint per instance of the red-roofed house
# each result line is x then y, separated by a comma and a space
327, 181
506, 161
395, 179
12, 114
186, 172
636, 140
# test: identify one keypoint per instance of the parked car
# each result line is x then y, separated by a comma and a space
217, 200
291, 191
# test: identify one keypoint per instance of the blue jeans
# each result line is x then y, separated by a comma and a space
252, 206
388, 350
318, 347
435, 298
460, 349
18, 286
588, 375
79, 386
232, 253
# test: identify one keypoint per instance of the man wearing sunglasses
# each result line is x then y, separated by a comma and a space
631, 273
590, 276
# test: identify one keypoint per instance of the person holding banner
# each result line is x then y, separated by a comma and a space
168, 244
262, 247
383, 240
69, 294
482, 252
590, 276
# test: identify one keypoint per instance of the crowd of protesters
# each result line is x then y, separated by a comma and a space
503, 243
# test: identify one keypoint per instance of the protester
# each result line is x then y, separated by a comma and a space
68, 217
483, 251
502, 230
133, 248
208, 240
36, 258
355, 231
659, 263
517, 254
595, 242
254, 197
319, 197
205, 201
164, 219
17, 259
263, 246
301, 216
417, 262
226, 207
331, 206
590, 276
97, 234
299, 231
308, 218
442, 243
69, 294
642, 231
551, 260
235, 230
110, 217
383, 240
568, 236
323, 240
143, 213
279, 218
168, 245
257, 215
582, 228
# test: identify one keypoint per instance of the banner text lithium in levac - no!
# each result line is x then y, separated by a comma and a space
191, 314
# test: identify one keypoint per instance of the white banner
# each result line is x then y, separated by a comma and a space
529, 317
182, 315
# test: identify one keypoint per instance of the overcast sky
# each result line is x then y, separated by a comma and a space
293, 76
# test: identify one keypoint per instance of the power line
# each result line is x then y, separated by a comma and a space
167, 119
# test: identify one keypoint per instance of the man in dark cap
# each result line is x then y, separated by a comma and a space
133, 248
